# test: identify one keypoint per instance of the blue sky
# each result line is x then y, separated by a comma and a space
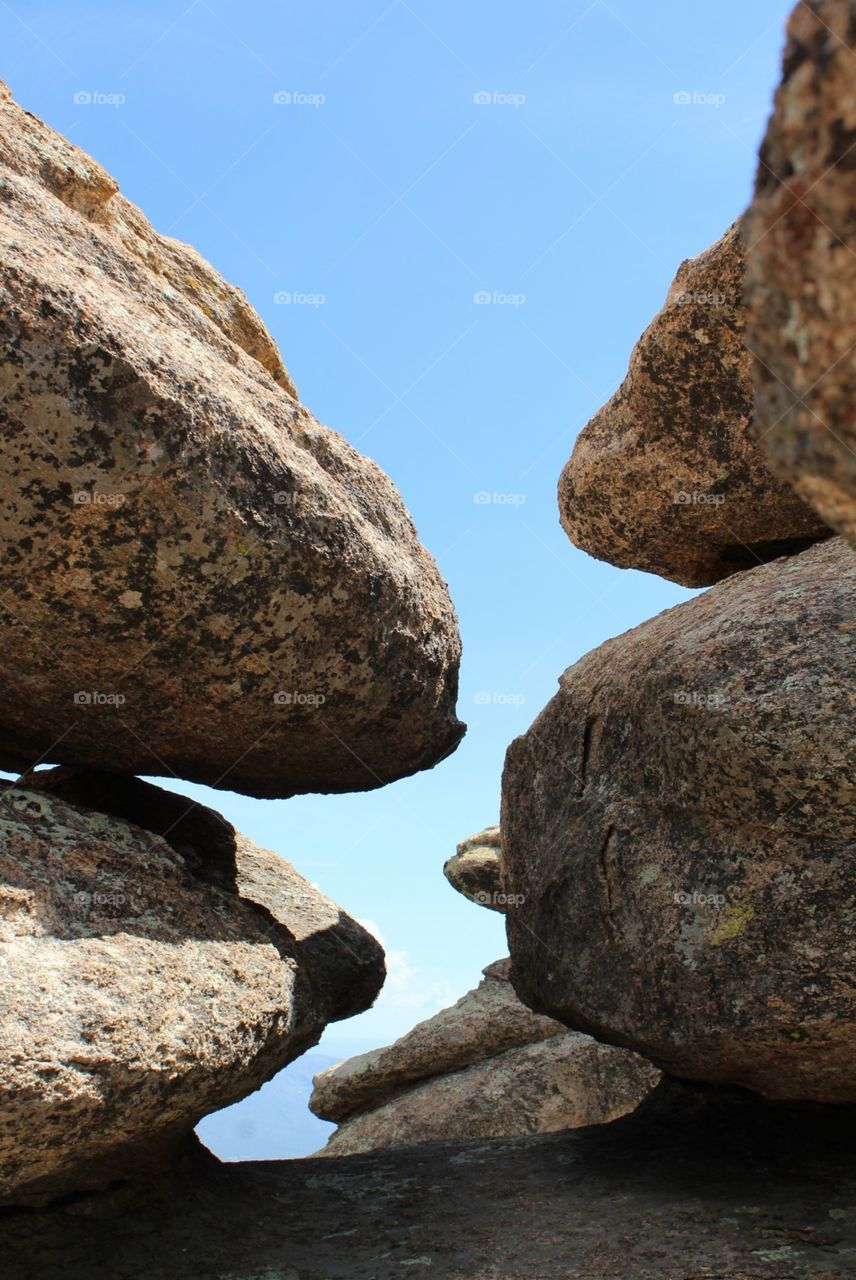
428, 153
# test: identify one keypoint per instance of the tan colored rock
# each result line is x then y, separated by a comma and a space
483, 1023
667, 476
801, 278
679, 823
148, 979
476, 869
199, 578
563, 1082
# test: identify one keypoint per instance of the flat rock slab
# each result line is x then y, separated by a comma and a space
564, 1082
483, 1023
649, 1197
199, 578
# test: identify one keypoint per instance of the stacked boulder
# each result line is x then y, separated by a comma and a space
200, 581
475, 870
801, 277
679, 822
485, 1068
194, 567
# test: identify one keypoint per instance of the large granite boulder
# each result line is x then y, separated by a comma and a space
485, 1068
667, 476
679, 824
475, 869
199, 578
148, 979
801, 278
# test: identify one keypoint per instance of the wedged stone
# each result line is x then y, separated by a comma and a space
475, 869
563, 1082
667, 476
484, 1022
199, 579
485, 1068
148, 979
801, 275
679, 826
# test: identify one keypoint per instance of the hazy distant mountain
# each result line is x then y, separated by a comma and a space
274, 1123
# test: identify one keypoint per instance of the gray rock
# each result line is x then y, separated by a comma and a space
679, 823
721, 1191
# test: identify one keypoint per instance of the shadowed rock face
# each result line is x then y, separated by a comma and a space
801, 279
148, 979
200, 579
679, 824
667, 476
723, 1190
476, 869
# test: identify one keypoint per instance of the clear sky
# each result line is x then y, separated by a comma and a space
427, 152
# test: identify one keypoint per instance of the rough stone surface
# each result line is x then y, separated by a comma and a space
199, 578
801, 278
484, 1022
476, 869
148, 979
563, 1082
732, 1195
667, 476
680, 821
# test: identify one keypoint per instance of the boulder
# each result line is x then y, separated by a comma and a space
485, 1068
801, 275
483, 1023
200, 579
667, 476
679, 825
148, 979
476, 869
564, 1082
